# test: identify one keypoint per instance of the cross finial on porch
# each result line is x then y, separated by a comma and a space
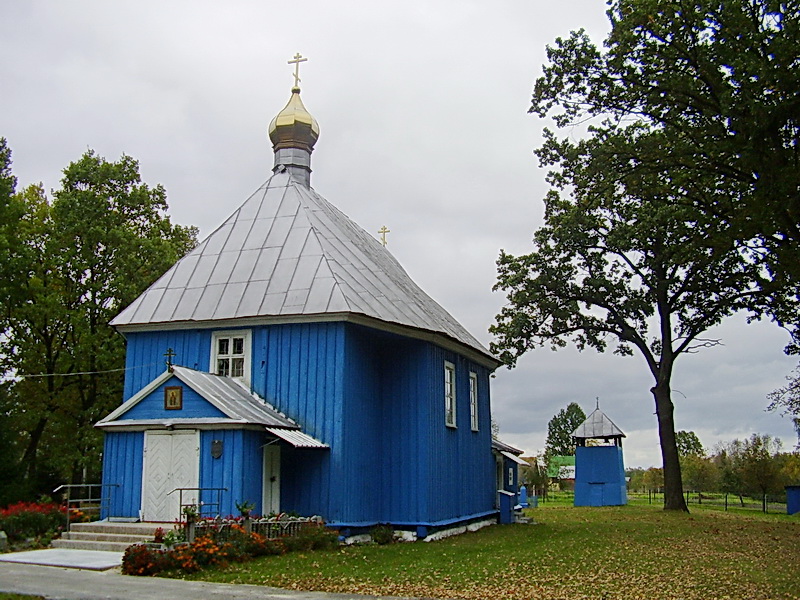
170, 354
383, 231
298, 58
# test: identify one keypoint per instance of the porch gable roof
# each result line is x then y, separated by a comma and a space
237, 404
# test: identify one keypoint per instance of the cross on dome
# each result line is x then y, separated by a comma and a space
298, 58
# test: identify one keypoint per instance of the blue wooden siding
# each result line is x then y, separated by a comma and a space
152, 407
299, 370
375, 398
145, 359
600, 476
239, 468
461, 467
123, 456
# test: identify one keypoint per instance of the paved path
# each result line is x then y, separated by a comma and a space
58, 583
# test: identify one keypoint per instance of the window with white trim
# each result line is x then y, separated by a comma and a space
230, 354
473, 400
449, 394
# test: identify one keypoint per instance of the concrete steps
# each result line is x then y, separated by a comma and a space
110, 537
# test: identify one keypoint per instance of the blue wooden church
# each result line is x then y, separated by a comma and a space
310, 374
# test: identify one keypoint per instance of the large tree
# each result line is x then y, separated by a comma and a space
559, 440
81, 258
719, 81
677, 204
629, 265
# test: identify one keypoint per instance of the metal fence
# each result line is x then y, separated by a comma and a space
774, 504
269, 527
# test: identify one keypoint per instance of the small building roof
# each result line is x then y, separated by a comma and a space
561, 466
503, 447
597, 426
288, 255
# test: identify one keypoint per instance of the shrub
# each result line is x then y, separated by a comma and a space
312, 537
31, 519
382, 534
140, 559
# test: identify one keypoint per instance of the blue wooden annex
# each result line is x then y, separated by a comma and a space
311, 374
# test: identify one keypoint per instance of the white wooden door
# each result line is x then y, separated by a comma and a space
171, 460
271, 498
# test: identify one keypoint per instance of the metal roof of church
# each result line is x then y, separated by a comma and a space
287, 255
597, 425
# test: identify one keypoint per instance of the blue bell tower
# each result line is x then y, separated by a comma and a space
599, 468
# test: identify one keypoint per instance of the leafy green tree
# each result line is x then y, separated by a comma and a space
86, 254
759, 465
654, 479
635, 477
655, 228
626, 267
688, 444
752, 467
10, 214
717, 81
700, 473
534, 476
560, 429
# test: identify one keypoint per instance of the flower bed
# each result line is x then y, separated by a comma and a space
220, 546
25, 520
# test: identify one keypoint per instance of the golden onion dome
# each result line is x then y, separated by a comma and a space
294, 127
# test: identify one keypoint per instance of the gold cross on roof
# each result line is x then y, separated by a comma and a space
298, 58
383, 231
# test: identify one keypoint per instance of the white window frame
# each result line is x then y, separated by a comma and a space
473, 400
247, 354
449, 394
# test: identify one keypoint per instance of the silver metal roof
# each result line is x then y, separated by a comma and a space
503, 447
296, 438
237, 404
288, 252
597, 425
514, 458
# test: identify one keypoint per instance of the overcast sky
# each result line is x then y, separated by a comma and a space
422, 107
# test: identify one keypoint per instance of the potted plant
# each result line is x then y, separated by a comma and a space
245, 507
191, 512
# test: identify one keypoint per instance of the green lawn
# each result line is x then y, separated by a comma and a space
610, 553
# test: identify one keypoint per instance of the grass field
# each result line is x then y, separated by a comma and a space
570, 553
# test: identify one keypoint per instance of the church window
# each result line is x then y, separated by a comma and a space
449, 394
473, 400
230, 354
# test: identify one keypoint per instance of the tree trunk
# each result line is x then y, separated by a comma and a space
673, 485
29, 460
